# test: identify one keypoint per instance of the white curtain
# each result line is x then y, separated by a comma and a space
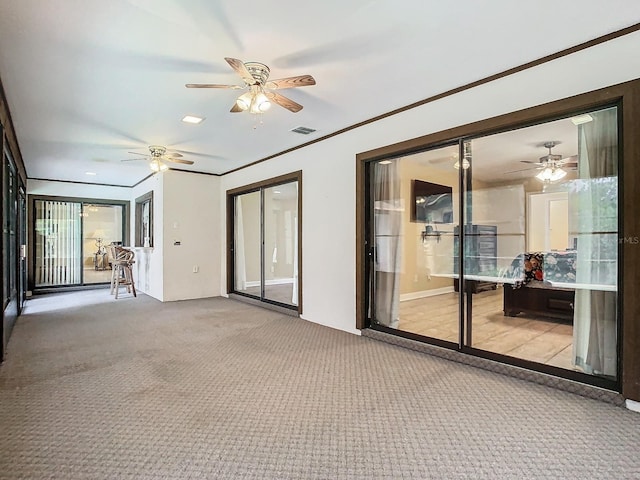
388, 208
595, 214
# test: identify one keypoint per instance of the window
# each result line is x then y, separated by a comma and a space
144, 220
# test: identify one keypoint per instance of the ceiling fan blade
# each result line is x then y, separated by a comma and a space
284, 102
136, 153
572, 160
132, 159
212, 85
291, 82
191, 153
177, 160
531, 161
173, 154
521, 170
236, 109
241, 69
451, 159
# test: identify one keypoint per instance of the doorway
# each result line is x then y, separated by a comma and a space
70, 238
264, 241
519, 262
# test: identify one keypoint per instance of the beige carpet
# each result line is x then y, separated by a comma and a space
94, 388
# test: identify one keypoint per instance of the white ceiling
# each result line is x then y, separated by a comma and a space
89, 80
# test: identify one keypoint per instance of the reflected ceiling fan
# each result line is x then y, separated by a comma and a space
258, 97
158, 158
552, 166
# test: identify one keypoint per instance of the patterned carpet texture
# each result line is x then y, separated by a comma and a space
97, 388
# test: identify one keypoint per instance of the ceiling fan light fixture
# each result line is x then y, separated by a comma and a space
260, 103
158, 166
557, 174
551, 174
545, 175
244, 101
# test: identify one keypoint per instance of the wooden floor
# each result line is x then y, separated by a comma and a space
537, 339
91, 275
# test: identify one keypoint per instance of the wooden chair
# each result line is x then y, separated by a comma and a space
122, 260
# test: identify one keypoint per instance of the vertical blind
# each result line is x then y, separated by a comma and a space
58, 243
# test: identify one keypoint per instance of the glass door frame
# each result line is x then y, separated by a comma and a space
608, 97
260, 187
31, 255
22, 247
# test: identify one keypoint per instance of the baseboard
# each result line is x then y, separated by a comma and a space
425, 293
632, 405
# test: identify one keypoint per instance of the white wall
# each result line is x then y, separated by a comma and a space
191, 217
148, 270
78, 190
328, 180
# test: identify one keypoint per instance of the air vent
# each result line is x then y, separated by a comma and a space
303, 130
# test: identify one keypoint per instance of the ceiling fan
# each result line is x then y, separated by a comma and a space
550, 165
258, 97
158, 156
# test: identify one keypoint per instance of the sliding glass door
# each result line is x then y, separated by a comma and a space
70, 239
101, 226
264, 245
414, 219
58, 257
505, 245
248, 244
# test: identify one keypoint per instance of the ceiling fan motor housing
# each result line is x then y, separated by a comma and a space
259, 71
157, 150
550, 157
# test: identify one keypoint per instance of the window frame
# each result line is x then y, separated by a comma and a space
140, 202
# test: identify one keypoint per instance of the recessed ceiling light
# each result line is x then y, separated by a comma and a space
192, 119
385, 162
580, 119
90, 173
276, 191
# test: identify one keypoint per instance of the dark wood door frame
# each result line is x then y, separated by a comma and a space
253, 187
627, 97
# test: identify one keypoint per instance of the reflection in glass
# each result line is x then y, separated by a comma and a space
247, 240
281, 243
414, 267
266, 243
101, 225
540, 252
553, 255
